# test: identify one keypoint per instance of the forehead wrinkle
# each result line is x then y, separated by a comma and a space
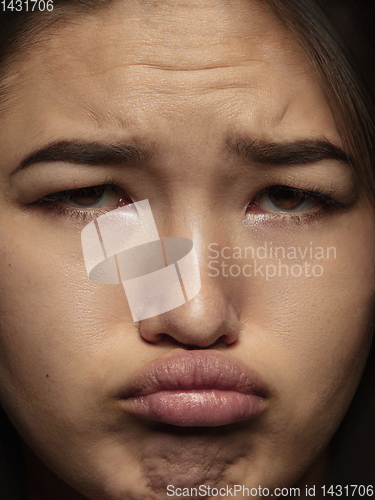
114, 112
104, 37
103, 112
181, 85
163, 67
89, 99
82, 52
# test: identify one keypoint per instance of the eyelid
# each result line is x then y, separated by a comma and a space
42, 180
65, 193
49, 202
325, 202
309, 193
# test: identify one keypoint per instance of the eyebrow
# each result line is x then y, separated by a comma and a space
87, 153
271, 153
300, 152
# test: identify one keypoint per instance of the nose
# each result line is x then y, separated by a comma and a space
206, 320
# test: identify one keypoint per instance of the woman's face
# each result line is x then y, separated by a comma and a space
217, 105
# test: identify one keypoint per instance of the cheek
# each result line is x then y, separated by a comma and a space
313, 333
53, 320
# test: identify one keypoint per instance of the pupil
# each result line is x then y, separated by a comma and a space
87, 196
286, 199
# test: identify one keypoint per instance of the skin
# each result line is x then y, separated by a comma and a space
179, 79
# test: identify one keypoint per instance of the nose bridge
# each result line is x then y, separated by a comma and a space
210, 315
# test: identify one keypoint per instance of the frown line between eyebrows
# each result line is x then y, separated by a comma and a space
86, 153
299, 152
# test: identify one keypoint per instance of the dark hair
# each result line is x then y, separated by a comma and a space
339, 39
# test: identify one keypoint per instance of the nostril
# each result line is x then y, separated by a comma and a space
210, 319
197, 347
188, 332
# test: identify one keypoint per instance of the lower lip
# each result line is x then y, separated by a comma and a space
196, 408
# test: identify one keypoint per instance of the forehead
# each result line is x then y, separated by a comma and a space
138, 66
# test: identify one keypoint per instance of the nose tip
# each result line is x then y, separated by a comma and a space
206, 320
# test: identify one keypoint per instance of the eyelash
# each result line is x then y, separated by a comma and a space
316, 193
49, 202
312, 193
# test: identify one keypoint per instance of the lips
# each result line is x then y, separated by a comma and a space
195, 388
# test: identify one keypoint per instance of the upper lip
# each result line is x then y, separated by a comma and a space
195, 370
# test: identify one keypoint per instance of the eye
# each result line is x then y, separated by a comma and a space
104, 196
288, 200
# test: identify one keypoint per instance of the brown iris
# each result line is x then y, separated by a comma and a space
87, 196
286, 199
